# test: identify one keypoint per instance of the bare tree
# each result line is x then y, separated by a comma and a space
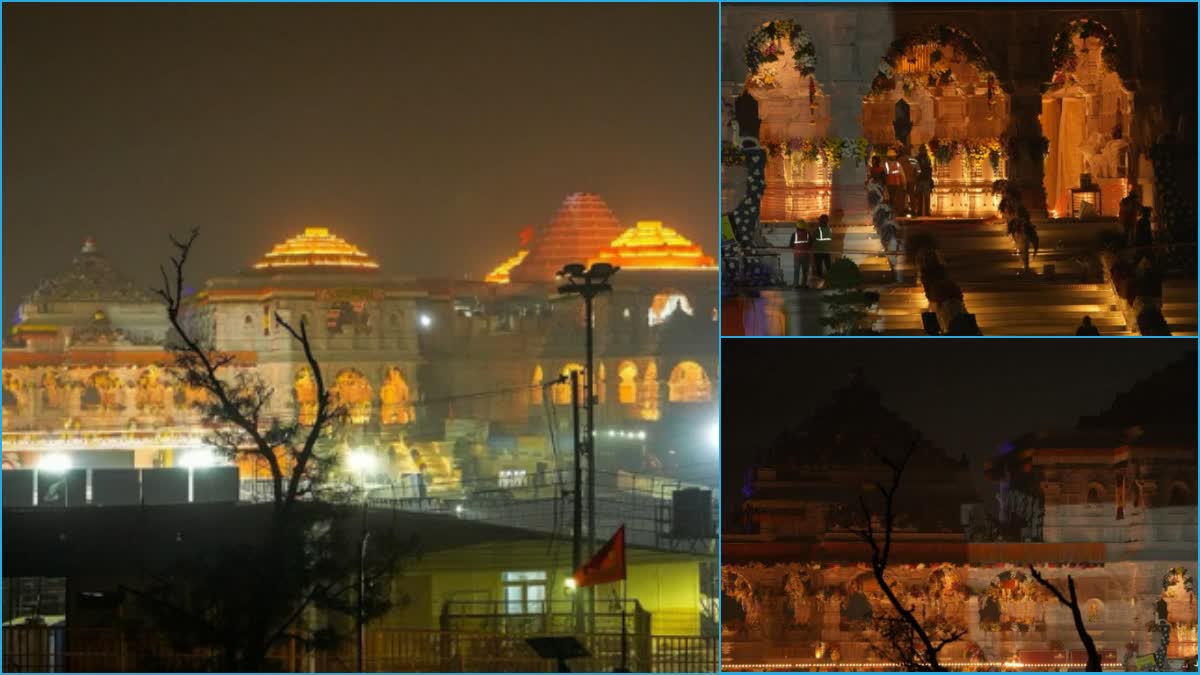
1093, 662
907, 640
307, 559
237, 403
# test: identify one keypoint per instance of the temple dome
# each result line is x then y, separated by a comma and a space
91, 277
582, 227
651, 245
316, 247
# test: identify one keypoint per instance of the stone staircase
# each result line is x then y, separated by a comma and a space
1066, 283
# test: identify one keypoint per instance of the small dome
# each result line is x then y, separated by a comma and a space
316, 247
90, 277
651, 245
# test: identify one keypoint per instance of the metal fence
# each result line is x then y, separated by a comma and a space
34, 649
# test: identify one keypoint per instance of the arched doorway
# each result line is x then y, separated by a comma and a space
666, 303
1086, 115
627, 389
956, 112
562, 390
11, 399
1178, 599
689, 384
351, 389
304, 390
151, 394
648, 396
102, 392
394, 406
781, 60
535, 391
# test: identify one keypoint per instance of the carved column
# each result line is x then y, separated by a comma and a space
1026, 169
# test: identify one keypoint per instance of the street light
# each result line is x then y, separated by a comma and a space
714, 434
361, 462
425, 320
588, 283
197, 459
55, 463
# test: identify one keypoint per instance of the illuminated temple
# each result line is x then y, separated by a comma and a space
1111, 503
86, 371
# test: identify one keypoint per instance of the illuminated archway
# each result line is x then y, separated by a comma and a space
667, 302
562, 390
101, 392
601, 383
689, 384
1178, 600
394, 406
11, 387
1014, 601
1095, 493
648, 397
956, 109
781, 61
304, 389
53, 388
151, 393
535, 392
1086, 115
351, 389
627, 388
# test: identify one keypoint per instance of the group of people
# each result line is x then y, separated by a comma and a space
811, 246
907, 180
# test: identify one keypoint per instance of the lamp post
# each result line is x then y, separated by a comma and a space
588, 283
362, 462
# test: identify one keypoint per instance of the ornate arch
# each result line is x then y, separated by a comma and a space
304, 390
562, 390
764, 46
667, 302
12, 387
689, 383
944, 35
1062, 53
535, 391
627, 386
394, 397
351, 389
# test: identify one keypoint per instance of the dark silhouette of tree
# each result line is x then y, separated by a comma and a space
301, 569
905, 640
1093, 662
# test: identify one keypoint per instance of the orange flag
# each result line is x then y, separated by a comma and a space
607, 566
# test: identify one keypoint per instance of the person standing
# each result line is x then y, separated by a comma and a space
1131, 206
823, 245
924, 181
876, 173
1027, 237
1086, 329
801, 254
895, 183
1143, 236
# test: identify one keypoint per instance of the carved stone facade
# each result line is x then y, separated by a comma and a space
1011, 98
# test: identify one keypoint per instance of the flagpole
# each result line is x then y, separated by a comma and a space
624, 631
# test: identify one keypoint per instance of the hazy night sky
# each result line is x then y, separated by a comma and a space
966, 395
427, 135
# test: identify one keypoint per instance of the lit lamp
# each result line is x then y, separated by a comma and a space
361, 462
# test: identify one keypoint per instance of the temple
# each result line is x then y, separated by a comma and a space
454, 385
1091, 113
1111, 502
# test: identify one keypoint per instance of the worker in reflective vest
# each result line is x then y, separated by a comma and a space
801, 254
823, 246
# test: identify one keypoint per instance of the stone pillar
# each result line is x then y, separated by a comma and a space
1025, 171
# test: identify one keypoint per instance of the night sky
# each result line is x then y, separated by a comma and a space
965, 395
427, 135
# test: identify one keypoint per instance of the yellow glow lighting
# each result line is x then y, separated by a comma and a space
316, 248
500, 274
651, 245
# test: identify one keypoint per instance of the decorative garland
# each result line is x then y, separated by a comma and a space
763, 47
973, 150
885, 76
1062, 54
1176, 574
831, 150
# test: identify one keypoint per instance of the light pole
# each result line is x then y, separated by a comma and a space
362, 462
589, 283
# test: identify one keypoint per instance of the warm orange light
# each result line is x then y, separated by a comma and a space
316, 248
651, 245
500, 274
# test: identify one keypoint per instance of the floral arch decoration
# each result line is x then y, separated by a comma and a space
936, 75
764, 46
1062, 54
1179, 574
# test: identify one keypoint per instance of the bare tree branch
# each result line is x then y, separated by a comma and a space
1094, 664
